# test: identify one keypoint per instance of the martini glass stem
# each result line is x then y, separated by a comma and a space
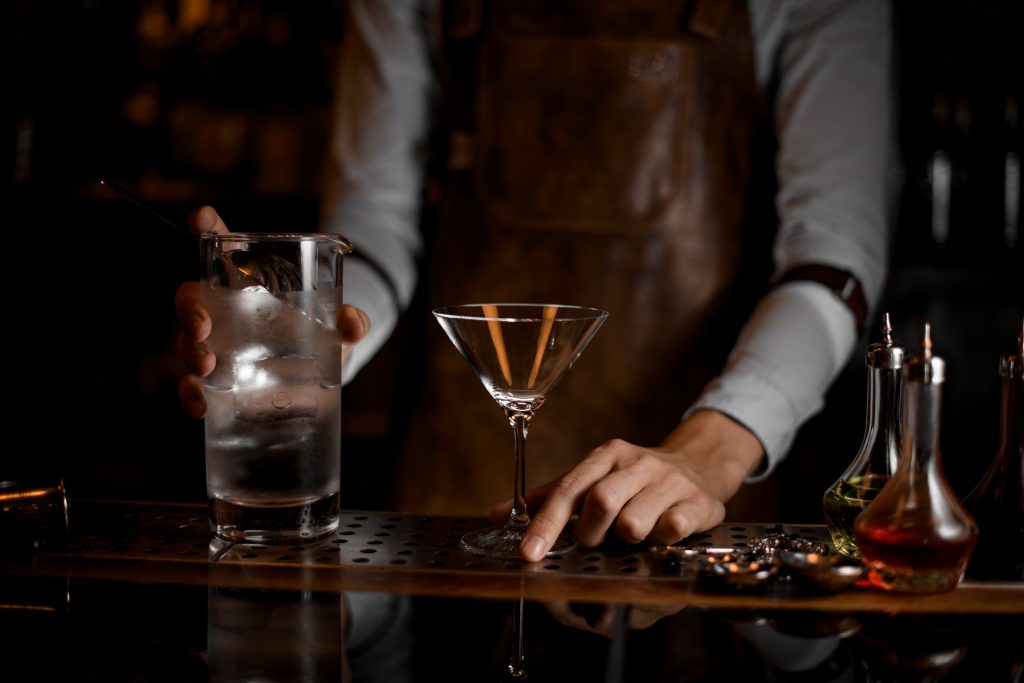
520, 421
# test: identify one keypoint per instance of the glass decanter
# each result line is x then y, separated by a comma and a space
916, 537
879, 451
997, 501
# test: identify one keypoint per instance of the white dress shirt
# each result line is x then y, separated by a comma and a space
830, 65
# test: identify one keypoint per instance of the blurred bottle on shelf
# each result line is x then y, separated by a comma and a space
1011, 176
959, 138
224, 98
940, 173
997, 502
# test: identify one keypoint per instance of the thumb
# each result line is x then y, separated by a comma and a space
353, 323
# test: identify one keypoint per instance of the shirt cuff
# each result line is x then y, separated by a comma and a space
797, 340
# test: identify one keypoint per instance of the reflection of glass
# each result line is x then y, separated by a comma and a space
519, 352
918, 648
517, 660
274, 635
299, 636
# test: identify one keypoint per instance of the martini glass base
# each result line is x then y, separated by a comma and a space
504, 542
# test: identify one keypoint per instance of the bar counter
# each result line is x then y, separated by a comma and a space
145, 583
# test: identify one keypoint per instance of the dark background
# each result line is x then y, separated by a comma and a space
227, 102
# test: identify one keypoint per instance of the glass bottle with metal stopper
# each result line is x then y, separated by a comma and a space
916, 537
997, 501
880, 449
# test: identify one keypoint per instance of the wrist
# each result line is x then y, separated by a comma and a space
719, 450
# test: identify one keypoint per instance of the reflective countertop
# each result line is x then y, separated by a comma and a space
142, 593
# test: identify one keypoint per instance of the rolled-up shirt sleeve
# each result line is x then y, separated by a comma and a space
834, 124
375, 168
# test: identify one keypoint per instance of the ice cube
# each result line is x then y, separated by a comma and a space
276, 389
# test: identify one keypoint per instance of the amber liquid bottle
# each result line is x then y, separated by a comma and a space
878, 456
997, 502
916, 537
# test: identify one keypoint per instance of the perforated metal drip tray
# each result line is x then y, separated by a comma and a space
414, 554
180, 533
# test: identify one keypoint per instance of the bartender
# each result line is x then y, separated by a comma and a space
711, 173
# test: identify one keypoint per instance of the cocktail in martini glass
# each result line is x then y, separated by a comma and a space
519, 352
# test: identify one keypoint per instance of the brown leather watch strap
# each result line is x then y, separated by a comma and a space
843, 284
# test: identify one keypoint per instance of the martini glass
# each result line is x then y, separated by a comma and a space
519, 352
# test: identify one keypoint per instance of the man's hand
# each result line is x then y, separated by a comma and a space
196, 325
660, 495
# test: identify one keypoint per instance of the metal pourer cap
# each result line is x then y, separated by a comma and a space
886, 354
926, 368
1012, 364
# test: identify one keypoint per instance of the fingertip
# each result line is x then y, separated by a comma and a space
205, 219
200, 325
199, 220
205, 361
354, 323
360, 325
190, 393
534, 548
193, 317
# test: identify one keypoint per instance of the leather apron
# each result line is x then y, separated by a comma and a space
600, 157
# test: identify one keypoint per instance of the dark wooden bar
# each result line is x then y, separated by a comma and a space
398, 553
149, 575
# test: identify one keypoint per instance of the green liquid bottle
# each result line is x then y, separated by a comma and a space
880, 449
